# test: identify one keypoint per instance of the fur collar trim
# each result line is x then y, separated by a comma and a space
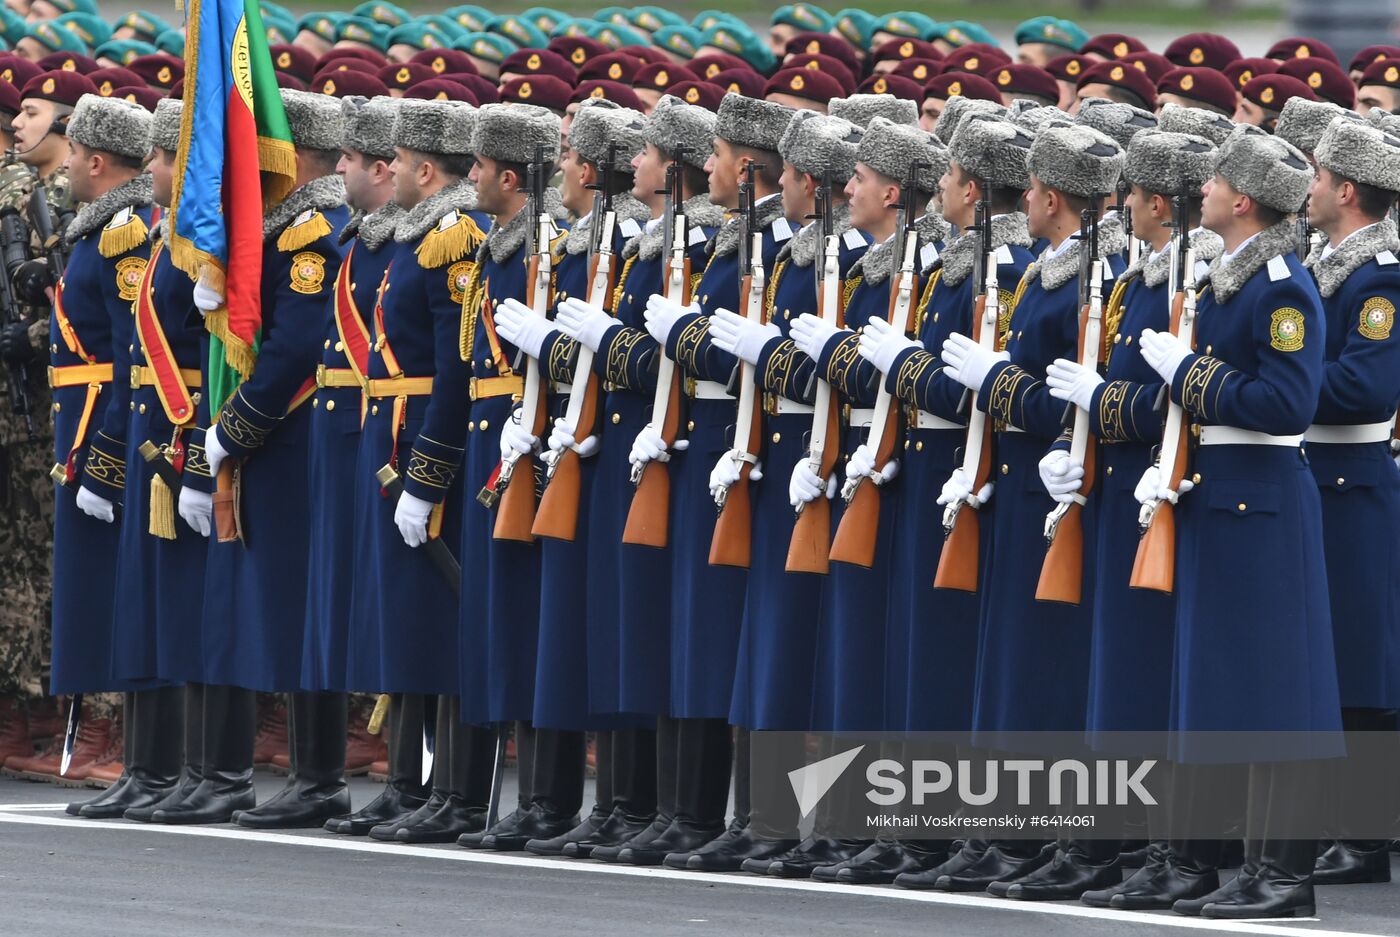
505, 239
625, 207
134, 193
727, 240
1362, 247
321, 194
700, 212
960, 256
460, 196
1228, 279
1055, 272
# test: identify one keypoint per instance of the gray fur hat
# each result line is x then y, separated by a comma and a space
165, 124
1266, 168
111, 125
422, 125
1170, 163
957, 108
1076, 160
1377, 117
593, 128
859, 109
1120, 121
1019, 106
674, 125
511, 132
369, 124
461, 128
1302, 122
996, 151
820, 145
892, 149
1361, 153
314, 120
1033, 120
1197, 121
751, 122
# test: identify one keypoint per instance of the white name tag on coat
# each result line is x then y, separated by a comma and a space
1003, 254
1202, 268
927, 255
697, 236
1278, 269
629, 228
1386, 258
782, 231
853, 239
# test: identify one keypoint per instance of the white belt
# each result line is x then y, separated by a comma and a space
1360, 433
710, 390
1233, 436
863, 416
563, 388
792, 406
1008, 428
925, 420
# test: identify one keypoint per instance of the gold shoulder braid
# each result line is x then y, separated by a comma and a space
472, 298
446, 244
301, 233
922, 311
773, 290
125, 232
1112, 319
852, 285
1004, 323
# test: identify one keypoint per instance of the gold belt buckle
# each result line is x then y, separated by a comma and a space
471, 389
136, 377
320, 375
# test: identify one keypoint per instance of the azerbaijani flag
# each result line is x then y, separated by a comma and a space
235, 160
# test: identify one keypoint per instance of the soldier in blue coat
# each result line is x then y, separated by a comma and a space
773, 682
500, 578
1251, 656
937, 628
629, 640
92, 330
1033, 658
252, 635
416, 422
597, 133
707, 601
1358, 275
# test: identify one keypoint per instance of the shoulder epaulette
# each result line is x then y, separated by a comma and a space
126, 231
454, 237
307, 228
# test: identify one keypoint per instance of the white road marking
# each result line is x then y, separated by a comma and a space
22, 814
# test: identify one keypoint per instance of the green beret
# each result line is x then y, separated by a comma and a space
123, 51
856, 26
147, 25
381, 12
614, 15
418, 35
13, 27
710, 18
807, 18
615, 37
92, 30
1052, 31
962, 32
75, 6
324, 25
574, 28
487, 46
172, 41
56, 38
653, 18
740, 42
682, 40
360, 29
545, 19
444, 24
907, 25
279, 32
522, 32
275, 9
471, 18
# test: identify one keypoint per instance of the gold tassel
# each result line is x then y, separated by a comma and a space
127, 237
309, 231
162, 510
442, 246
376, 718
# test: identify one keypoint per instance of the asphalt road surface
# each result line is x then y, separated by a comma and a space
65, 877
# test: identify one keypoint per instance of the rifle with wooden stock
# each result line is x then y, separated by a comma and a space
959, 559
732, 541
648, 518
1062, 573
516, 503
810, 548
1154, 567
557, 516
856, 534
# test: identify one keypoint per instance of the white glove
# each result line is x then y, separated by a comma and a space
411, 518
1061, 475
214, 451
561, 438
1163, 351
969, 363
96, 506
197, 509
725, 474
958, 487
518, 324
583, 321
515, 438
649, 446
880, 344
806, 485
1150, 487
810, 334
861, 464
1070, 380
662, 315
740, 337
206, 298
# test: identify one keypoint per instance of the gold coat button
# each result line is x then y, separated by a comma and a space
1241, 506
130, 349
1129, 341
339, 346
471, 427
629, 297
1005, 469
54, 348
1117, 338
374, 410
616, 418
1109, 471
777, 438
690, 426
485, 426
330, 404
906, 444
787, 313
1196, 478
316, 402
57, 407
1209, 349
326, 344
935, 317
141, 409
704, 299
1341, 481
131, 405
919, 446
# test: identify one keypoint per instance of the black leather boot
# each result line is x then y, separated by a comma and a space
155, 725
602, 804
230, 725
654, 754
704, 756
963, 858
316, 788
505, 826
192, 771
1075, 867
1003, 861
1353, 862
884, 861
811, 853
461, 781
405, 791
729, 851
387, 832
556, 791
625, 794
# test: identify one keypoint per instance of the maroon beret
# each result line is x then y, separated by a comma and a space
1068, 67
1151, 64
294, 60
977, 58
1370, 54
577, 49
442, 61
904, 88
483, 88
1326, 79
614, 91
342, 84
347, 65
1027, 79
404, 76
825, 63
160, 70
1121, 75
905, 49
178, 91
1273, 91
658, 76
67, 62
539, 62
1301, 47
743, 81
824, 44
1383, 72
60, 87
140, 94
708, 66
440, 89
1209, 49
9, 99
961, 84
646, 55
700, 93
918, 70
539, 90
805, 83
108, 80
615, 66
284, 80
18, 71
1200, 84
1242, 71
364, 55
1112, 45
